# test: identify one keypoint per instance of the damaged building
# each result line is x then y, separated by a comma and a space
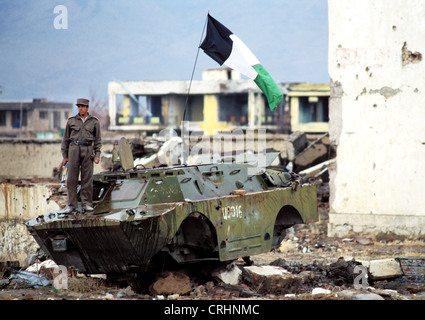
220, 101
309, 107
39, 118
377, 117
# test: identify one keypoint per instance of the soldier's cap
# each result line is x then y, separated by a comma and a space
82, 101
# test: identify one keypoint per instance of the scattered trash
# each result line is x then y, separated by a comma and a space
37, 266
413, 269
108, 296
320, 291
29, 279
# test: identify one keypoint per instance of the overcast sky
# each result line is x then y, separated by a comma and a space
149, 40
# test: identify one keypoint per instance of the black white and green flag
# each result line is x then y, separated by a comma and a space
226, 48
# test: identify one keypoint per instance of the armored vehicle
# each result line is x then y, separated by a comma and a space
216, 211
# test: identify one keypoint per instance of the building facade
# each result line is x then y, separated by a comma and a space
38, 118
220, 101
309, 107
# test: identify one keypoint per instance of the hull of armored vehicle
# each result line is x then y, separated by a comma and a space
194, 213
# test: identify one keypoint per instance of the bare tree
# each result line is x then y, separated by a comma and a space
99, 108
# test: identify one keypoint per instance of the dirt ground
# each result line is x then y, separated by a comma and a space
306, 247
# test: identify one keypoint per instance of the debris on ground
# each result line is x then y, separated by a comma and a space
29, 279
229, 274
169, 283
271, 279
295, 274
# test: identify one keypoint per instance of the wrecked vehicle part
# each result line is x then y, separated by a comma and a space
206, 212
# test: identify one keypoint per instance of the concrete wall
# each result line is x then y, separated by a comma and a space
21, 202
24, 197
29, 158
377, 116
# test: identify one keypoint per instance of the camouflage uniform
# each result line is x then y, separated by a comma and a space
81, 143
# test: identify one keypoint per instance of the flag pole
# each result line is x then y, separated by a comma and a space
190, 85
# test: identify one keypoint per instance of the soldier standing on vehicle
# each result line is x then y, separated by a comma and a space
80, 147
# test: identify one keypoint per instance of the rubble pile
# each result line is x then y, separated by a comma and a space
283, 278
338, 273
